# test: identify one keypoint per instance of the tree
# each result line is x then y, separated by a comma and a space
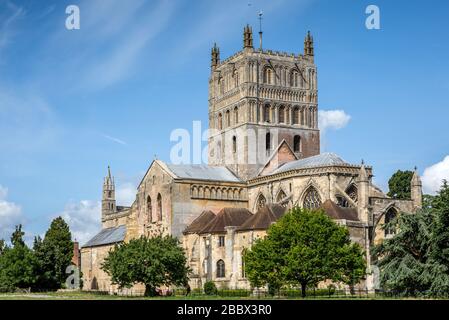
416, 259
17, 264
152, 261
2, 246
304, 248
400, 185
54, 254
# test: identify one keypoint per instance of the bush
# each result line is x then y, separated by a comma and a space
210, 288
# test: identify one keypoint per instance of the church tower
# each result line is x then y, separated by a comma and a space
416, 190
257, 99
108, 198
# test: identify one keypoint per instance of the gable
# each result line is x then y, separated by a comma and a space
281, 155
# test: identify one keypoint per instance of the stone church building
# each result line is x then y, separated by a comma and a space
264, 157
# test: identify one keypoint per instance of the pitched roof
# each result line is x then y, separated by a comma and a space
264, 217
227, 217
107, 236
200, 222
203, 172
321, 160
336, 212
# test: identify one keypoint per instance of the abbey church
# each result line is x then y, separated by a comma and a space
264, 158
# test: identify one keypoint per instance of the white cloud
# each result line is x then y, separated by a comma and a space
332, 119
83, 218
434, 175
126, 194
10, 214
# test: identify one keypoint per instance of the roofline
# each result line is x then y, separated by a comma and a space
273, 154
102, 245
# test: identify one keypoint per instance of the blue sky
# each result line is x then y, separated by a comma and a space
74, 101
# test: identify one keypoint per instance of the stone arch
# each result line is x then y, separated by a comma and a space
281, 114
390, 215
207, 192
195, 192
159, 207
149, 209
221, 271
281, 195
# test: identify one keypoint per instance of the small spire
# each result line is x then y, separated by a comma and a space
308, 45
416, 180
363, 175
247, 37
109, 172
215, 56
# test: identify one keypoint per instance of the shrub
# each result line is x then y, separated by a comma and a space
210, 288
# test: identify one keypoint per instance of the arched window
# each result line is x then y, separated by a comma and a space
297, 143
261, 202
296, 115
294, 78
159, 207
220, 121
267, 75
228, 118
266, 113
352, 192
281, 114
149, 209
390, 228
268, 141
281, 196
220, 269
234, 144
236, 79
312, 199
236, 115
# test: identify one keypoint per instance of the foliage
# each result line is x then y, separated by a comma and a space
2, 246
210, 288
154, 262
416, 259
54, 254
17, 264
400, 185
304, 248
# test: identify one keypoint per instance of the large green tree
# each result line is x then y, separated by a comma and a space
17, 264
302, 249
54, 254
400, 185
154, 262
415, 260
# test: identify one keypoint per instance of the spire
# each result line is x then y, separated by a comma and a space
416, 180
215, 53
260, 30
363, 176
308, 45
247, 37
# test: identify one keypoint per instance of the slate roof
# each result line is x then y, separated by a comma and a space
336, 212
227, 217
202, 172
200, 222
263, 218
321, 160
107, 236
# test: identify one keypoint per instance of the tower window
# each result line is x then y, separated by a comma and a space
297, 144
267, 75
281, 114
268, 141
294, 78
266, 113
234, 144
220, 121
296, 115
228, 119
236, 115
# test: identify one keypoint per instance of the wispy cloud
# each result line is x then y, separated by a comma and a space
116, 140
9, 13
434, 175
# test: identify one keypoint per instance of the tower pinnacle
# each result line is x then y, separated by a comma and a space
247, 37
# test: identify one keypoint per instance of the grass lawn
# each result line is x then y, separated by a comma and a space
80, 295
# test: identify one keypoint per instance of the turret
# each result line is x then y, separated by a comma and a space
215, 56
308, 46
108, 199
363, 193
416, 190
247, 37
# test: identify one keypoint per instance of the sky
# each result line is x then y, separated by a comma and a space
73, 102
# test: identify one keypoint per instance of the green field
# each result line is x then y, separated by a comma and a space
80, 295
